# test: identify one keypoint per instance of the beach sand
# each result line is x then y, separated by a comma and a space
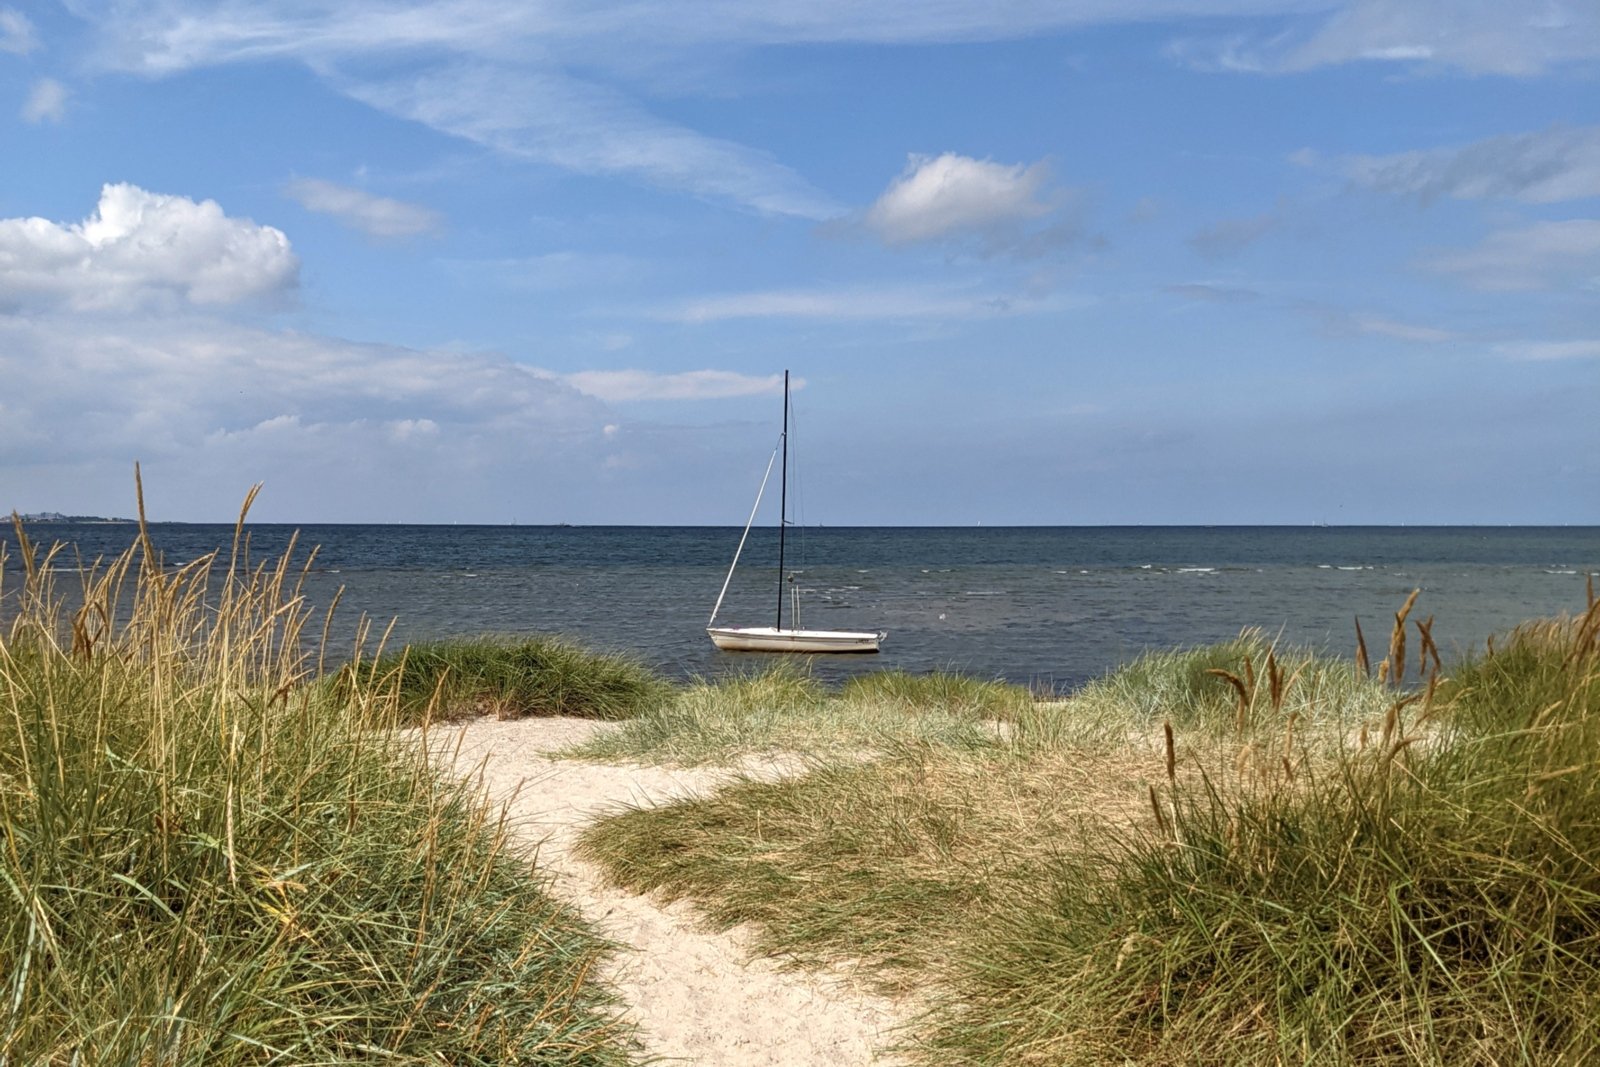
698, 996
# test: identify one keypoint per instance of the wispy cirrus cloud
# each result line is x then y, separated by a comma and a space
1232, 236
376, 216
1540, 351
1542, 255
561, 85
1331, 319
616, 386
1344, 322
1213, 292
1476, 36
17, 34
47, 102
548, 117
1383, 326
500, 76
1539, 167
549, 271
166, 36
139, 248
858, 304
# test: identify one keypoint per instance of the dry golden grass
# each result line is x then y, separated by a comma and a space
1267, 858
206, 859
881, 863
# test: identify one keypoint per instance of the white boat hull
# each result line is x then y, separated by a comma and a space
771, 639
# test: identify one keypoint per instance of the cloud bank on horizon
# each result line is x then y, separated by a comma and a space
1159, 261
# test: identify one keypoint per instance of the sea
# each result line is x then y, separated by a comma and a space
1049, 607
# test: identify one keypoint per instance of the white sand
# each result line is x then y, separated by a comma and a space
697, 996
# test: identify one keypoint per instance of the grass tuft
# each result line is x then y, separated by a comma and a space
514, 678
1406, 903
942, 691
208, 860
783, 708
1247, 684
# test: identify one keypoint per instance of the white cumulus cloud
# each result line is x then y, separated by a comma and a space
377, 216
140, 247
47, 100
951, 195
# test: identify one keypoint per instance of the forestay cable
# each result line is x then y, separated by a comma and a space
712, 621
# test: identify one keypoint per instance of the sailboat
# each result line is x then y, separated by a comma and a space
777, 638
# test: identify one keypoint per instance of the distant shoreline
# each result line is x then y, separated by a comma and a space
91, 520
74, 520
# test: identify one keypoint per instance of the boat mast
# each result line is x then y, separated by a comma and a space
783, 496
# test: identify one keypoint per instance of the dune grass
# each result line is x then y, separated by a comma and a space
784, 708
1410, 903
517, 677
881, 864
1422, 891
207, 860
1239, 686
943, 691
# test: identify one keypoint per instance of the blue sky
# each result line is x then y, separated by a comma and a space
1153, 261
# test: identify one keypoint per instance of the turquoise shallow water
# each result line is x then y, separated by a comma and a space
1041, 605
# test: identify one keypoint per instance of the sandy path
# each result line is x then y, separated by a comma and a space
697, 996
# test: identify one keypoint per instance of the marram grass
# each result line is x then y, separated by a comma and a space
1415, 901
206, 860
1424, 890
516, 677
1245, 684
881, 864
783, 708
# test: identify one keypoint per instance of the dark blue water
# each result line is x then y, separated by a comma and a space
1036, 605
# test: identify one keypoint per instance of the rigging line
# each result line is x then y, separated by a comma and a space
747, 525
797, 551
797, 493
783, 505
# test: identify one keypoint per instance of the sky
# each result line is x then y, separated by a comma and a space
1070, 262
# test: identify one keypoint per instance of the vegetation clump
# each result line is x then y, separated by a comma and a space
1418, 899
206, 860
784, 708
942, 691
514, 678
1230, 687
